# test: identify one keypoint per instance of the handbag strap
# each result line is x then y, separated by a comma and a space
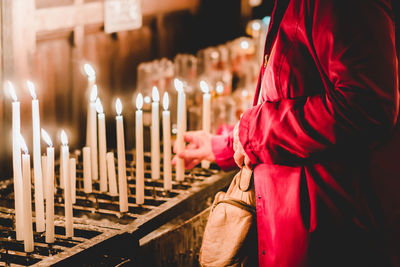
245, 179
239, 204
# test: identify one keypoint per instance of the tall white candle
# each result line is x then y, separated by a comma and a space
122, 182
206, 115
91, 75
44, 168
49, 185
111, 174
27, 201
139, 151
155, 135
180, 165
69, 229
167, 144
17, 172
87, 171
93, 132
102, 146
37, 168
72, 175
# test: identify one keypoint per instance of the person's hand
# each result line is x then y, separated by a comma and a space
240, 156
198, 149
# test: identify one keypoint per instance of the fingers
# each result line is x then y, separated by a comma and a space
192, 136
191, 164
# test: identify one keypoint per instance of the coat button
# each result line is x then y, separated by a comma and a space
266, 60
259, 196
263, 252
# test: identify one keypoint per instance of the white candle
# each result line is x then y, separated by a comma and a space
87, 171
206, 115
49, 185
102, 146
17, 172
155, 135
44, 168
112, 181
91, 75
27, 201
167, 144
69, 230
139, 151
37, 168
72, 174
122, 182
93, 132
180, 165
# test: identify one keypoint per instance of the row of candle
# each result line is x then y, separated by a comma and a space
107, 167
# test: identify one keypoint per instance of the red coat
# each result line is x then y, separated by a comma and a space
330, 94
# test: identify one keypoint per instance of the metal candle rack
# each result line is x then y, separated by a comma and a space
97, 220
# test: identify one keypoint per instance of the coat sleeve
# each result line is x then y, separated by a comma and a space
222, 147
354, 43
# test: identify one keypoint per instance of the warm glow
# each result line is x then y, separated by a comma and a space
64, 138
99, 106
32, 90
22, 144
93, 93
11, 91
219, 88
118, 106
244, 45
90, 72
139, 101
155, 94
147, 99
204, 87
165, 101
46, 138
178, 85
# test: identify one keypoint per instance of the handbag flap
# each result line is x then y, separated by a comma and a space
245, 179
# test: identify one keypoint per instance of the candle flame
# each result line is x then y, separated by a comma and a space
139, 101
165, 101
22, 144
64, 138
32, 90
93, 93
219, 88
244, 45
178, 85
90, 72
147, 99
204, 87
256, 26
155, 94
46, 138
11, 91
99, 106
118, 106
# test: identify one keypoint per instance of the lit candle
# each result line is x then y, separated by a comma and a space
122, 182
206, 115
139, 151
69, 229
180, 165
93, 132
44, 168
102, 146
155, 135
72, 173
112, 181
37, 168
91, 76
17, 172
49, 184
87, 171
27, 201
167, 144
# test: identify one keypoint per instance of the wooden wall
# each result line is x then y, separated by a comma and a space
48, 41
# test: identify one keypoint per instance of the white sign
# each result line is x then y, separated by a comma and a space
122, 15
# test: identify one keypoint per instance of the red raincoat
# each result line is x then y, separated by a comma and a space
329, 96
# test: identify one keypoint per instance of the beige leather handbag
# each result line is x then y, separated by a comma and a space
230, 236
